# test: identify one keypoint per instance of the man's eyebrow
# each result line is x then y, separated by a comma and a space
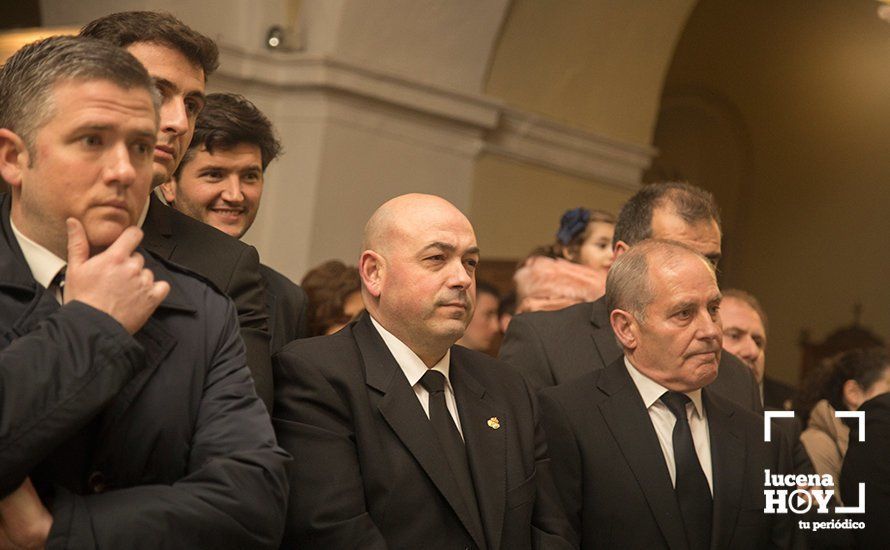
161, 82
440, 246
109, 127
446, 247
683, 305
212, 167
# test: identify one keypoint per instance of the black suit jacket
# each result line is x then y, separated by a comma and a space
777, 395
611, 473
368, 471
179, 452
868, 462
552, 347
226, 262
286, 305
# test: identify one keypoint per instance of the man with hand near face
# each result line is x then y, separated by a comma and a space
180, 59
644, 454
400, 438
127, 413
220, 182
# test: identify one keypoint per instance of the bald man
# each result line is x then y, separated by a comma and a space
400, 438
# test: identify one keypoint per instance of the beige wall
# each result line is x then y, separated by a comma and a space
516, 206
597, 66
809, 81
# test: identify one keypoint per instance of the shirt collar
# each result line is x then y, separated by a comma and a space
412, 365
651, 391
141, 221
44, 265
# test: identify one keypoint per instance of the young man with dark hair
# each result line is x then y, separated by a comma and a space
180, 60
128, 414
220, 182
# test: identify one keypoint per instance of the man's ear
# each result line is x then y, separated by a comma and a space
619, 248
371, 267
624, 325
14, 157
168, 189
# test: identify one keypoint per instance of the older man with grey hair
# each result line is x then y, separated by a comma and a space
128, 417
644, 454
553, 347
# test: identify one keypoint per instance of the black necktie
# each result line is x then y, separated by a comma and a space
448, 436
691, 486
58, 282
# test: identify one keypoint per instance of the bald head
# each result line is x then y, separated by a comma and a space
405, 215
418, 272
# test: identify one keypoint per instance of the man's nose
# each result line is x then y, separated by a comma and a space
120, 169
232, 189
174, 117
708, 327
459, 276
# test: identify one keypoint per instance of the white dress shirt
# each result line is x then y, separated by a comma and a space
44, 265
414, 369
663, 421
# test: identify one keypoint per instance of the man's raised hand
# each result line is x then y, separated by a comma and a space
114, 281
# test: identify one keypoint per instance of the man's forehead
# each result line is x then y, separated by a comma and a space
683, 279
241, 153
737, 312
95, 102
667, 224
461, 243
167, 63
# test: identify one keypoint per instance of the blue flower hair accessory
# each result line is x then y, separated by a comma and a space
572, 224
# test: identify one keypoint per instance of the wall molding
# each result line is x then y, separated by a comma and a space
505, 131
539, 140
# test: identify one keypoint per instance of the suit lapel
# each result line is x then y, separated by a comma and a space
603, 337
157, 343
404, 414
486, 447
632, 429
728, 460
157, 229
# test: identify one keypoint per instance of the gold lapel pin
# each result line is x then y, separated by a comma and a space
494, 423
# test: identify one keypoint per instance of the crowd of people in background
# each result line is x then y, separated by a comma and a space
160, 387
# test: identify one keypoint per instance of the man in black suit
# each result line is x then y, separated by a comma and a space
128, 417
180, 60
552, 347
220, 182
643, 456
400, 438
